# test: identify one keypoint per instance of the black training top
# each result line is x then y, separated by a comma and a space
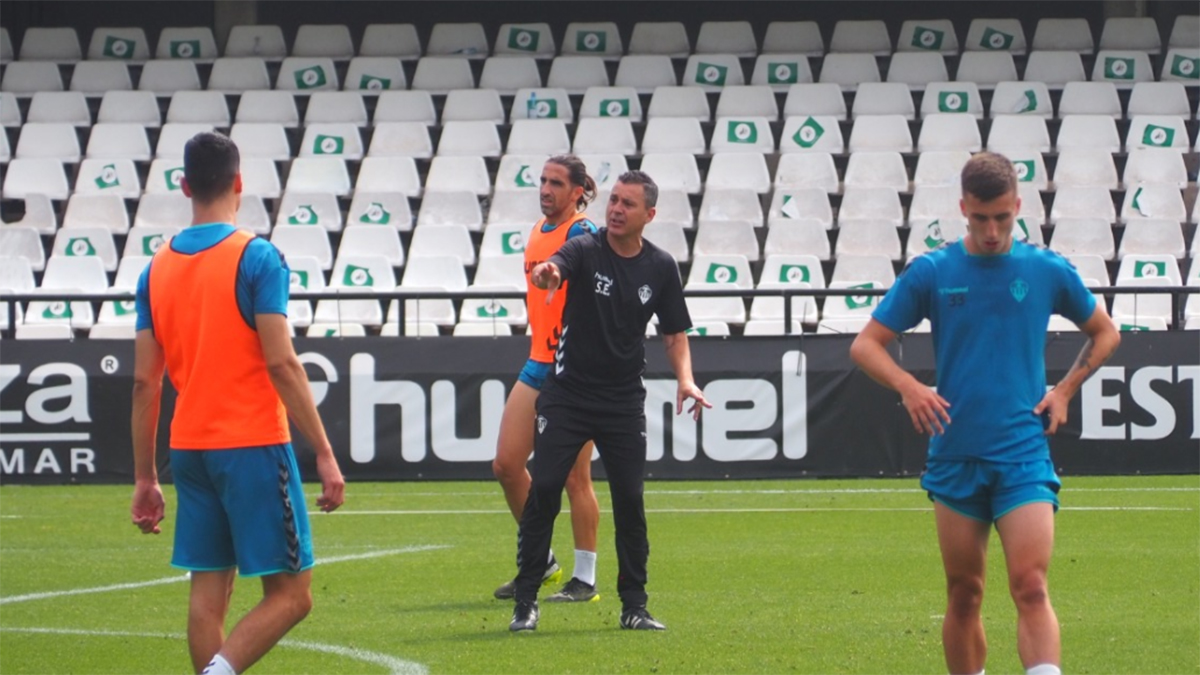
602, 353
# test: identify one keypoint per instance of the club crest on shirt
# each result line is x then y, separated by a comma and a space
1019, 289
541, 423
644, 293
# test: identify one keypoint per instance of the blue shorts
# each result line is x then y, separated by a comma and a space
987, 491
534, 373
240, 508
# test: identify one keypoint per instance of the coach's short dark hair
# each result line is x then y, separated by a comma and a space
988, 175
649, 187
578, 175
210, 163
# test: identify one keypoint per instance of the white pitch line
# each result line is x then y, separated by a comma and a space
818, 509
773, 491
183, 577
394, 665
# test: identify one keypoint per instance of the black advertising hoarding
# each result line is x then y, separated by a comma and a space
429, 409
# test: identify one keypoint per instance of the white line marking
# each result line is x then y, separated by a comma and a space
394, 665
183, 577
778, 491
34, 438
817, 509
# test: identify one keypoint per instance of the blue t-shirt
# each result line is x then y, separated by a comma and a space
262, 282
582, 226
989, 316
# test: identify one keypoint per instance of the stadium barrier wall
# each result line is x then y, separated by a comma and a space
429, 409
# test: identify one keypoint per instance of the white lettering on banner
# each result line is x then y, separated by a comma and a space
443, 422
366, 393
660, 406
80, 460
722, 419
320, 389
9, 373
1095, 403
75, 391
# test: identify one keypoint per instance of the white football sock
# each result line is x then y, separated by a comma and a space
585, 566
1044, 669
218, 666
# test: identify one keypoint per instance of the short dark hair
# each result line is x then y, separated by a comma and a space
988, 175
578, 175
649, 187
210, 163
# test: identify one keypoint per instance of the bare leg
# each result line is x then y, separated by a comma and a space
585, 510
286, 601
514, 446
1027, 535
963, 542
207, 606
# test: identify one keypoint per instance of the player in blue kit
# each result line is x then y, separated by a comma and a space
989, 299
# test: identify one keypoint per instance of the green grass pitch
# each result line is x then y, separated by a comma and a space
750, 577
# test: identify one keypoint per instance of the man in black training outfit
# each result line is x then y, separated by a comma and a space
618, 280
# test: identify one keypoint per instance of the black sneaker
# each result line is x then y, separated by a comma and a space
637, 618
575, 590
525, 616
508, 590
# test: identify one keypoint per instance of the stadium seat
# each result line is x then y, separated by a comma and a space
1085, 167
877, 169
59, 107
538, 137
1054, 68
1181, 65
381, 208
883, 98
164, 78
44, 140
615, 102
731, 204
372, 240
328, 40
674, 206
935, 202
258, 41
849, 307
1159, 98
803, 37
440, 240
1152, 237
10, 112
310, 242
503, 263
467, 105
166, 176
849, 70
666, 38
782, 71
520, 172
327, 107
163, 210
119, 141
644, 72
441, 74
374, 74
853, 268
1082, 202
881, 132
871, 204
466, 39
1142, 311
1160, 267
319, 174
405, 106
25, 78
596, 135
727, 37
1088, 131
533, 39
24, 242
268, 107
199, 107
819, 133
952, 98
59, 45
191, 44
124, 44
1155, 165
1090, 98
1155, 200
795, 204
986, 69
675, 101
41, 175
1122, 68
1083, 236
308, 209
173, 138
949, 131
145, 241
870, 37
748, 101
356, 273
340, 140
670, 237
735, 170
1063, 34
818, 99
51, 331
451, 173
134, 107
807, 170
1131, 33
234, 75
440, 273
995, 35
867, 237
260, 178
39, 214
936, 35
266, 141
917, 69
335, 329
459, 209
108, 176
1021, 98
306, 276
712, 72
797, 237
575, 74
507, 74
742, 134
307, 74
480, 308
1157, 131
129, 270
401, 139
252, 215
600, 39
541, 103
927, 236
673, 170
1031, 215
1185, 32
940, 167
1018, 132
86, 241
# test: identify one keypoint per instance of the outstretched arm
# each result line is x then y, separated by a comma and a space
925, 407
1103, 339
679, 353
288, 376
149, 363
547, 277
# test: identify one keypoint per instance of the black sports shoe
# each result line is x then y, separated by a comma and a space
637, 618
525, 616
508, 590
575, 590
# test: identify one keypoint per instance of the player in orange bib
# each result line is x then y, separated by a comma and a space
566, 189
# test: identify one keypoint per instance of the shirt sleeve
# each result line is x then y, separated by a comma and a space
907, 302
1073, 299
263, 281
672, 310
569, 257
141, 301
581, 227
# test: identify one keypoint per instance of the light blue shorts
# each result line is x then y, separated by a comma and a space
986, 491
240, 508
534, 373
